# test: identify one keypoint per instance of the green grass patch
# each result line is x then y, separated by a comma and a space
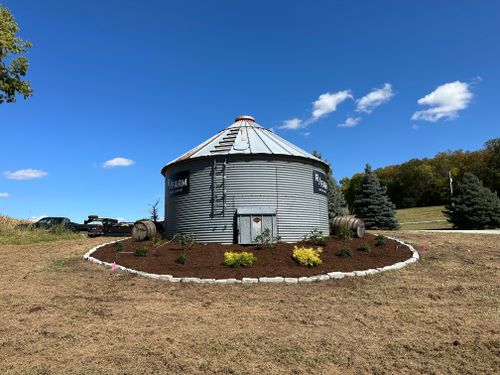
58, 263
422, 218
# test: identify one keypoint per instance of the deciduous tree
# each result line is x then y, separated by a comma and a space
13, 65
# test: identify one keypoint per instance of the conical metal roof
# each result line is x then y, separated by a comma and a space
245, 137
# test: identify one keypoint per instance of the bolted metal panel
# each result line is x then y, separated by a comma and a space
274, 181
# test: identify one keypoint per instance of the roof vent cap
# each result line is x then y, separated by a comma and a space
244, 118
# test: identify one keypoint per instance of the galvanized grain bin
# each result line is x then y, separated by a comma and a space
242, 180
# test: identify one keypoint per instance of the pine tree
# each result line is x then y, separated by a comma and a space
372, 204
336, 201
473, 206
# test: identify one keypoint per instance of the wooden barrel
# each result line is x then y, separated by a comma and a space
143, 230
355, 225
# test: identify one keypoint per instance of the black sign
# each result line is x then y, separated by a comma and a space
178, 183
320, 182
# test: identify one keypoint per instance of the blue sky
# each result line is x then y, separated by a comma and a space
146, 81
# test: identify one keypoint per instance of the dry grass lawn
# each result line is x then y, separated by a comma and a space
62, 315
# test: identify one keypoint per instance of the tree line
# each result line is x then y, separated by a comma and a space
425, 182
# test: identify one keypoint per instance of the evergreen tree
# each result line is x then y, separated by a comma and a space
473, 206
336, 201
372, 204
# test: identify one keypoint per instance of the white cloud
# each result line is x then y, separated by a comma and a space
324, 105
444, 102
294, 123
415, 127
118, 162
375, 98
327, 103
25, 174
350, 122
306, 134
4, 195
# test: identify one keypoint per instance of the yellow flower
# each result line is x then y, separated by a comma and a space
307, 256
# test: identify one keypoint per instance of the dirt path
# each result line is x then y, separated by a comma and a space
62, 315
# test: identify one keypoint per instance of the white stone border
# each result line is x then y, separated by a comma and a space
248, 280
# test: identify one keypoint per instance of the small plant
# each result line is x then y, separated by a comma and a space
344, 232
316, 237
235, 260
156, 239
187, 241
265, 239
182, 259
154, 211
119, 246
345, 252
365, 248
379, 240
141, 252
307, 256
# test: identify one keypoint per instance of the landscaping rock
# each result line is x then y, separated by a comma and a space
271, 279
190, 280
305, 279
207, 281
320, 277
336, 275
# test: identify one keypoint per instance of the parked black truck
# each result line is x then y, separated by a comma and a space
54, 221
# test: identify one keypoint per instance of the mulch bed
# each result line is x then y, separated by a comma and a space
206, 260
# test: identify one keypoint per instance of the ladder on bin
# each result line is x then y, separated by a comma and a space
218, 187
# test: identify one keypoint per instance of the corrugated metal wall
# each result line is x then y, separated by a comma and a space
280, 182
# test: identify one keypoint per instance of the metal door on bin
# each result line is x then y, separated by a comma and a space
250, 226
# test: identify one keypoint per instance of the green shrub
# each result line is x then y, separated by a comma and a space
344, 232
365, 248
266, 239
307, 256
379, 240
141, 252
187, 241
345, 252
316, 237
119, 246
156, 239
235, 260
182, 259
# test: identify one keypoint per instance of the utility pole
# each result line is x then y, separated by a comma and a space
451, 189
451, 183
